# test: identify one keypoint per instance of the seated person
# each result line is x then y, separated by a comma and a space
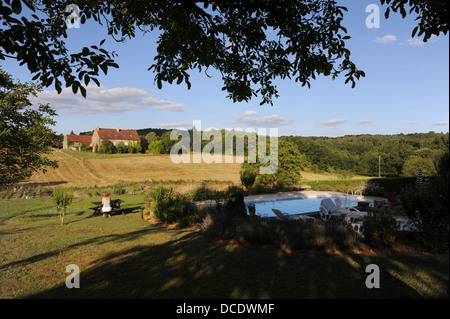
106, 204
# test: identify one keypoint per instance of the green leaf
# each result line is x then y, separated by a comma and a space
58, 86
159, 83
16, 6
75, 87
83, 91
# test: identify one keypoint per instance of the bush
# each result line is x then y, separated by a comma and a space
428, 208
323, 187
248, 175
169, 207
235, 200
107, 147
380, 228
288, 234
122, 148
204, 193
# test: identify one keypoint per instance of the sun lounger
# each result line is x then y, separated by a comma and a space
356, 214
328, 208
405, 224
285, 216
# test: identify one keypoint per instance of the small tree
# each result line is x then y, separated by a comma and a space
248, 174
107, 147
122, 148
62, 198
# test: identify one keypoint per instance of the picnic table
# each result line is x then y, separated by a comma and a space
115, 206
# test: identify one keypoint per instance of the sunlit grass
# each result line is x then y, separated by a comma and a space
126, 257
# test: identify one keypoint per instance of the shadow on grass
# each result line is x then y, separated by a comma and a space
93, 241
197, 267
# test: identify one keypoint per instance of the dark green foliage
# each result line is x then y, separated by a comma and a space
380, 228
25, 134
235, 200
400, 154
299, 235
428, 208
107, 147
122, 148
433, 15
248, 175
192, 35
169, 207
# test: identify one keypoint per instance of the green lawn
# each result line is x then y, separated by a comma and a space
126, 257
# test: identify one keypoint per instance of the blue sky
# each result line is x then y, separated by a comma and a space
406, 88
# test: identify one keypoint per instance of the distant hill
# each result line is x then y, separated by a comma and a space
141, 132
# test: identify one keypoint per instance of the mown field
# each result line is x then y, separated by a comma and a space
83, 169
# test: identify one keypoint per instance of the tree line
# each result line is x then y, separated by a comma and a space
371, 155
368, 155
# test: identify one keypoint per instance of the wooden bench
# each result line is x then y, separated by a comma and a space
115, 204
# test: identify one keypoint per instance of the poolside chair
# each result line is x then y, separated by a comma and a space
356, 227
356, 214
328, 208
285, 216
405, 224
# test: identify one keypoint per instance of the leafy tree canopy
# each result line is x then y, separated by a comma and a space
306, 39
25, 136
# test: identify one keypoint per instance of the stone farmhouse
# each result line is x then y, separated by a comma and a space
72, 141
115, 136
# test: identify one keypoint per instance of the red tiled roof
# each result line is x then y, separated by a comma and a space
79, 138
113, 134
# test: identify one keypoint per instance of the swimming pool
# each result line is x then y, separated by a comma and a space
296, 205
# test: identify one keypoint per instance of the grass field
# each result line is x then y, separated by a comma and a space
127, 257
84, 169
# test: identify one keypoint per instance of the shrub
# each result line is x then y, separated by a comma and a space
122, 148
428, 208
289, 234
235, 200
169, 207
204, 193
248, 175
380, 228
323, 187
107, 147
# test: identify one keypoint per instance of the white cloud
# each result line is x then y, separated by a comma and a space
273, 120
104, 100
175, 124
333, 122
441, 123
419, 42
249, 113
390, 38
364, 122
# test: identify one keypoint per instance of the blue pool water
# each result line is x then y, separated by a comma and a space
296, 205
